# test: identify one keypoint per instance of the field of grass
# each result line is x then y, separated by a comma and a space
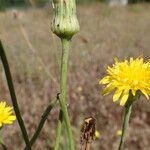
34, 56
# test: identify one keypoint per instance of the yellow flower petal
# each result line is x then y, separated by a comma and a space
6, 116
105, 80
145, 93
117, 95
12, 118
109, 88
124, 98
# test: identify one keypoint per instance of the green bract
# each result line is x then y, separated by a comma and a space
65, 23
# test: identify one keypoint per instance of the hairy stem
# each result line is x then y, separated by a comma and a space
63, 87
127, 114
58, 130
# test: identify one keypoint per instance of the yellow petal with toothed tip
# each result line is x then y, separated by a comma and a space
109, 88
124, 97
105, 80
144, 92
7, 122
12, 118
117, 95
116, 59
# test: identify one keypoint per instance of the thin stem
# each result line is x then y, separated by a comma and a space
13, 96
42, 121
4, 147
128, 109
58, 130
63, 87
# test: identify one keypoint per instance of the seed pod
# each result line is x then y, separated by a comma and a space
65, 23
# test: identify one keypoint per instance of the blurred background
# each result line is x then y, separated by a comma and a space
115, 28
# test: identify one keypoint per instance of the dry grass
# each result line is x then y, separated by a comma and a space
105, 33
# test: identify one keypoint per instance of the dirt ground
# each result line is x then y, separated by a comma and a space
34, 56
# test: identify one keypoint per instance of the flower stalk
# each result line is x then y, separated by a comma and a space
62, 99
64, 25
58, 130
127, 113
13, 96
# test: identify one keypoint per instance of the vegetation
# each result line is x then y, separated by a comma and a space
121, 32
40, 3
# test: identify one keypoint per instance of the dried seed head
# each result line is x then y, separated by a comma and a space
87, 132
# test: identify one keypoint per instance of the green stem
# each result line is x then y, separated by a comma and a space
58, 130
42, 121
13, 96
128, 109
4, 147
63, 87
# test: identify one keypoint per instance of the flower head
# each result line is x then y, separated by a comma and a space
119, 132
127, 76
97, 134
6, 116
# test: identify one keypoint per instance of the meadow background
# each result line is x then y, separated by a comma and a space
34, 55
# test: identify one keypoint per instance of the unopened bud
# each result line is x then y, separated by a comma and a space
65, 23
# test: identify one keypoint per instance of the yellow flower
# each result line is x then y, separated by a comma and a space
132, 75
119, 132
6, 116
97, 134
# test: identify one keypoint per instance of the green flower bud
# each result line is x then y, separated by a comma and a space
65, 23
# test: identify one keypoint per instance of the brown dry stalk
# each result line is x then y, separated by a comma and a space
87, 133
88, 146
